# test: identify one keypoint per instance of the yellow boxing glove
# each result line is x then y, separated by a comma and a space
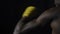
28, 11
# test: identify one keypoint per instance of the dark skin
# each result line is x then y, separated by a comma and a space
50, 16
53, 13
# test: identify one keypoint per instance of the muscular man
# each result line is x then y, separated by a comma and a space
50, 17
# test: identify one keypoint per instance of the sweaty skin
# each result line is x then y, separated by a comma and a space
54, 14
50, 16
55, 25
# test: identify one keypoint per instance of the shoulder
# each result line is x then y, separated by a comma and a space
49, 13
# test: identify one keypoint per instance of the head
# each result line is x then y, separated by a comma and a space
57, 2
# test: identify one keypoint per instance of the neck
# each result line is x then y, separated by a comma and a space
58, 5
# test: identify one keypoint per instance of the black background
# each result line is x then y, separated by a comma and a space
11, 11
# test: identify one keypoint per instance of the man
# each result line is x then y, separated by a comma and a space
50, 17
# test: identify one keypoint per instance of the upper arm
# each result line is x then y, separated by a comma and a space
46, 16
